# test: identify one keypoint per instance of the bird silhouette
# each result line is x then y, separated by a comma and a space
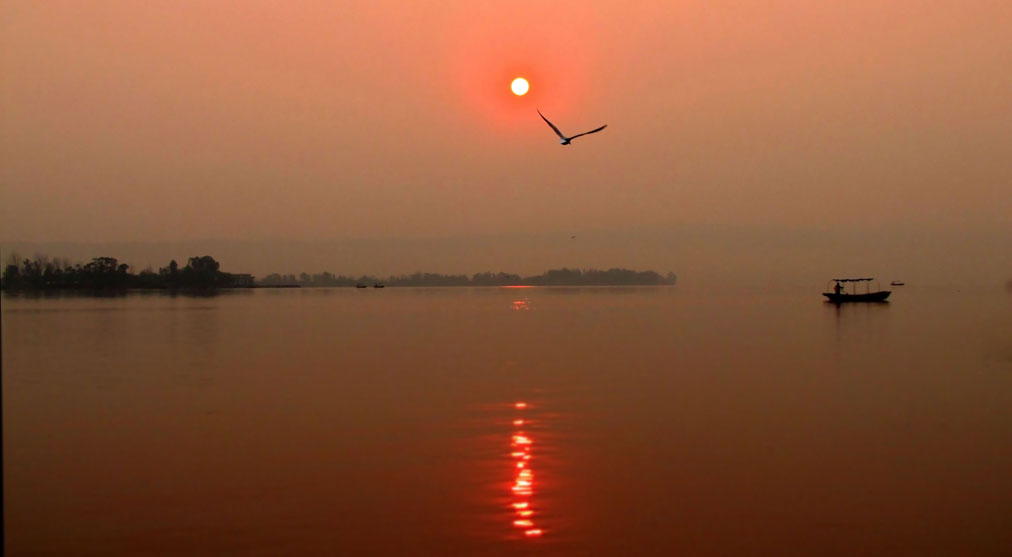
562, 138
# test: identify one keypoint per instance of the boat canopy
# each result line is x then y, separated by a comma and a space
854, 280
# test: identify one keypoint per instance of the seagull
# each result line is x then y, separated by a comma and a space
563, 139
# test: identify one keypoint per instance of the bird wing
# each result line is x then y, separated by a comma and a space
551, 124
591, 131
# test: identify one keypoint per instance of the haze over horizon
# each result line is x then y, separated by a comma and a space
791, 139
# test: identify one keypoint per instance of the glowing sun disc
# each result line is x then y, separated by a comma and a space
519, 86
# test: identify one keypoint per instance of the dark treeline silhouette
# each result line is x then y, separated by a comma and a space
203, 272
102, 273
555, 277
594, 277
320, 279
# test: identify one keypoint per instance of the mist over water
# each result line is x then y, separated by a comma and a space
658, 420
739, 254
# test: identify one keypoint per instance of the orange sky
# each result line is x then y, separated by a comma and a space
177, 121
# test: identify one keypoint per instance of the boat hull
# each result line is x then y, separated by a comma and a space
868, 297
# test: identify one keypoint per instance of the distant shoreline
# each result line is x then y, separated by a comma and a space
554, 277
113, 290
202, 273
200, 292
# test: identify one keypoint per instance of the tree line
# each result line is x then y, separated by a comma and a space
554, 277
203, 272
42, 272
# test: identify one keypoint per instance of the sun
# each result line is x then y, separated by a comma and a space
519, 86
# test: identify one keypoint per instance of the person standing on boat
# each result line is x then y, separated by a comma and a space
838, 288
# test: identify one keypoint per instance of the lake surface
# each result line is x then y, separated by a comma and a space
499, 421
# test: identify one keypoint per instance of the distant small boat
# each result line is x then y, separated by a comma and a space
879, 296
360, 285
840, 295
377, 285
897, 283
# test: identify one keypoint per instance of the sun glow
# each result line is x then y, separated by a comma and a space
519, 86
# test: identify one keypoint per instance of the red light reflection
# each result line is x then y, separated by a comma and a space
521, 446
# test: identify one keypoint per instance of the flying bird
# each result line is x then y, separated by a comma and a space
562, 138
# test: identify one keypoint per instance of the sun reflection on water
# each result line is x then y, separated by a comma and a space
524, 304
521, 449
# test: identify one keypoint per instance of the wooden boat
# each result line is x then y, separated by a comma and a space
897, 283
378, 285
840, 295
879, 296
360, 285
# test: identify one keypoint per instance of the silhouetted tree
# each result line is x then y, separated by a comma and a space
108, 273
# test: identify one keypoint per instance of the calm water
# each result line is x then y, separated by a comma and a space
666, 421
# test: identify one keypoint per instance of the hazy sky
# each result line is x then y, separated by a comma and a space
181, 122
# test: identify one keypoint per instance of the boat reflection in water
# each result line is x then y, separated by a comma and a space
522, 490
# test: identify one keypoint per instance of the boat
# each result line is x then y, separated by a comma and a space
897, 283
360, 285
840, 295
378, 285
